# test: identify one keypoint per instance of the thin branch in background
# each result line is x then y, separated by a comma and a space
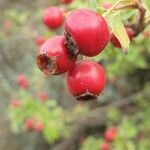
139, 26
93, 119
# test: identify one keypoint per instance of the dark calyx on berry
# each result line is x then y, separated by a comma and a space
70, 45
47, 64
86, 97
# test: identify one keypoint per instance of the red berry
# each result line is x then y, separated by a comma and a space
53, 57
86, 80
15, 103
38, 126
146, 34
107, 5
110, 134
82, 139
22, 82
86, 31
43, 96
40, 40
105, 146
29, 124
141, 135
7, 25
53, 17
116, 42
67, 1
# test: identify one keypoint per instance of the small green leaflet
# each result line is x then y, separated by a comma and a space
118, 29
93, 4
100, 10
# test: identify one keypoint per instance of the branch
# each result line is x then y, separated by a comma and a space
139, 26
94, 119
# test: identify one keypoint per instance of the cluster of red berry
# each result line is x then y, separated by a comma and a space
86, 33
109, 137
32, 124
42, 96
53, 21
23, 83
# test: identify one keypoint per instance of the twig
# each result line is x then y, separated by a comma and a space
132, 5
139, 26
94, 119
147, 22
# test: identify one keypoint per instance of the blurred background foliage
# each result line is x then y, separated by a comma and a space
127, 74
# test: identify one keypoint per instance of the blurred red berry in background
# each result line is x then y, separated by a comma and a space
105, 146
22, 82
43, 96
67, 1
7, 25
146, 34
53, 17
15, 103
110, 134
82, 139
40, 40
38, 126
29, 124
107, 5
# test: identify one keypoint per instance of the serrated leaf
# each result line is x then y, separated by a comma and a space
119, 31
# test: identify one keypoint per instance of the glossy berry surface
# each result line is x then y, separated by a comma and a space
29, 124
40, 40
22, 82
110, 134
53, 17
38, 126
116, 42
43, 96
53, 57
86, 80
105, 146
67, 1
15, 103
86, 31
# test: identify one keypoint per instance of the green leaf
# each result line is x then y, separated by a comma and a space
93, 3
127, 14
128, 125
91, 143
119, 31
113, 114
100, 10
